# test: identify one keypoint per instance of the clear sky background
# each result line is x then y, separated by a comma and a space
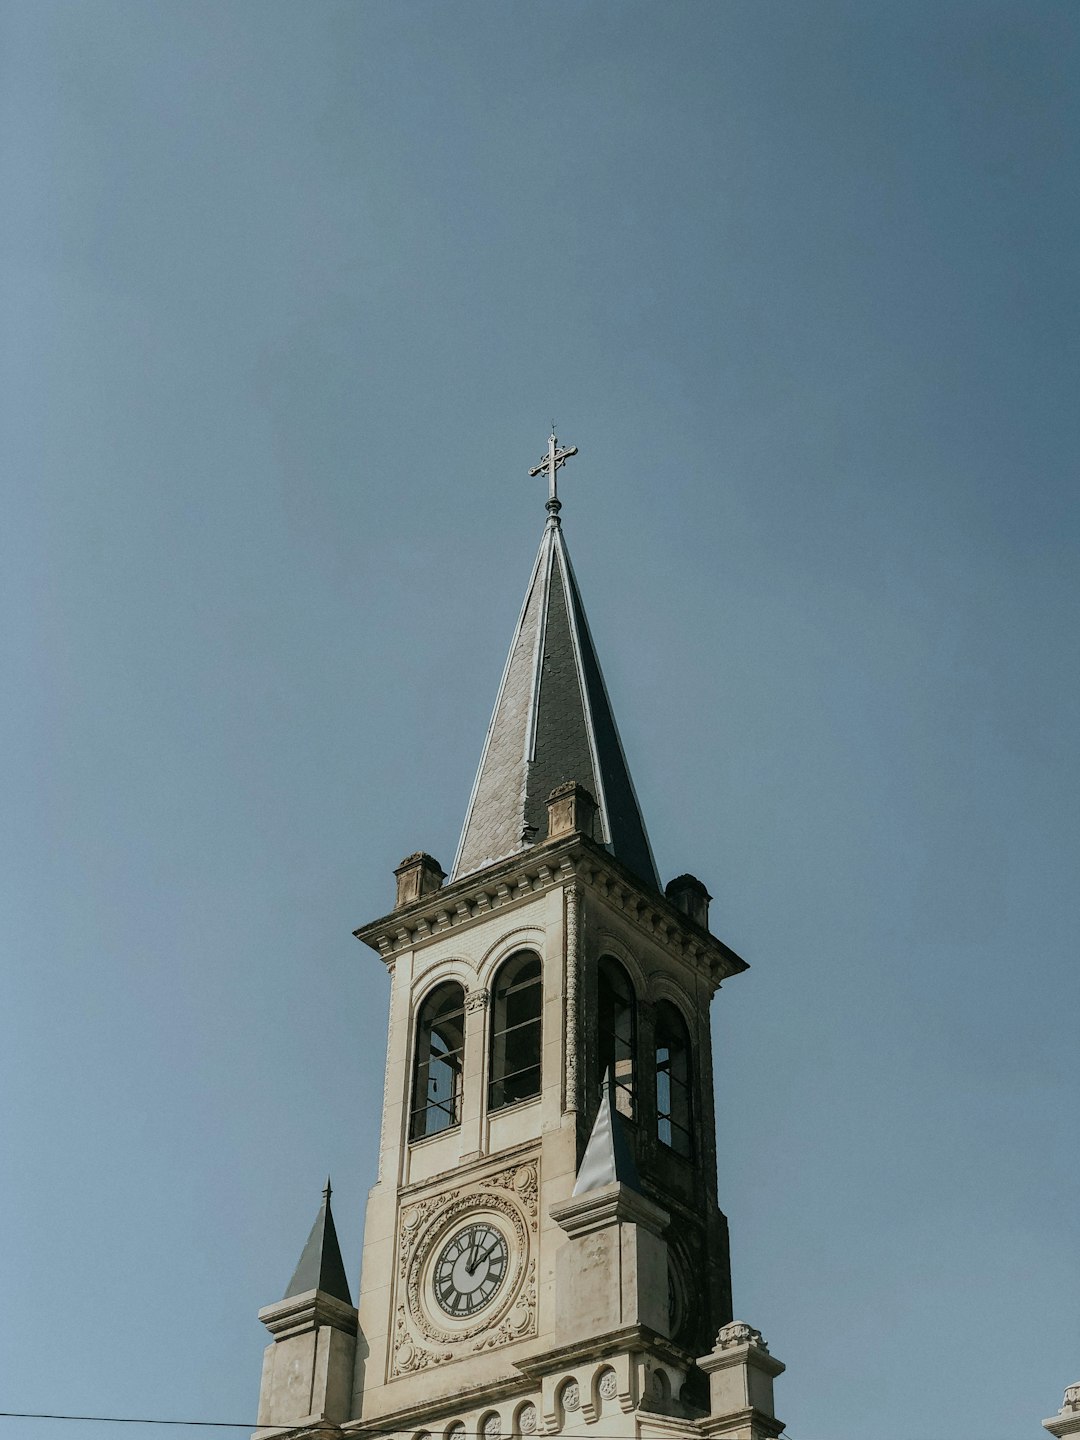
291, 293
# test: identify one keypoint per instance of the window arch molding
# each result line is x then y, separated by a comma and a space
438, 1056
515, 1045
526, 937
666, 987
451, 968
612, 946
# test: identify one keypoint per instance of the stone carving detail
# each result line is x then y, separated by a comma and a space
702, 953
520, 1320
573, 904
409, 1355
1072, 1398
456, 1431
422, 1336
739, 1333
522, 1181
571, 1396
477, 1000
492, 1426
528, 1419
609, 1385
412, 1225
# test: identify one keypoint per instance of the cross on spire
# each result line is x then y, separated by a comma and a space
552, 462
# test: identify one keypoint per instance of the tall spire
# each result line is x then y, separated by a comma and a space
552, 722
321, 1266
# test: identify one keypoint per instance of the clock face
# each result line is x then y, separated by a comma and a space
470, 1269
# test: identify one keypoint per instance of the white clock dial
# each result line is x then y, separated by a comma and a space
470, 1269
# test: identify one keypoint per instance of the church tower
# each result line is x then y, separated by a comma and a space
543, 1252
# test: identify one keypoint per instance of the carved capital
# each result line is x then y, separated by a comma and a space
477, 1000
739, 1333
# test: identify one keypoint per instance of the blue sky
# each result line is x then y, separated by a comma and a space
291, 293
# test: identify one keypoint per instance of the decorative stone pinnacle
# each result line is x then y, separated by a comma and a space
739, 1333
419, 874
570, 808
1065, 1425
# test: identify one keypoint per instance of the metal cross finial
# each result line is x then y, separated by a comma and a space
552, 462
327, 1192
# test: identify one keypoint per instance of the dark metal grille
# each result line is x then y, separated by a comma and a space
674, 1111
440, 1051
617, 1032
516, 1032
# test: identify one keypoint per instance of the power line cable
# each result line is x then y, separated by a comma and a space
249, 1425
785, 1434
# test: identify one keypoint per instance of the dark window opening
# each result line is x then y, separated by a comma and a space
440, 1051
674, 1113
617, 1032
518, 1000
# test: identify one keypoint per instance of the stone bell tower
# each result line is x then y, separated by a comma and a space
543, 1252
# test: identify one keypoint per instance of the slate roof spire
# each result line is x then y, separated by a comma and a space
321, 1266
552, 723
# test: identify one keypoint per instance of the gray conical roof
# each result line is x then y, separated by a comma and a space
552, 723
608, 1158
321, 1266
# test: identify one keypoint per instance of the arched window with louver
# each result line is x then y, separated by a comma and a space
437, 1068
617, 1032
674, 1109
516, 1030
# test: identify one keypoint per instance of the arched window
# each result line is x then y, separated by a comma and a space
440, 1049
518, 998
617, 1031
674, 1123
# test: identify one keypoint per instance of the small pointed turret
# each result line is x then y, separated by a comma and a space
608, 1159
308, 1365
612, 1270
321, 1266
552, 723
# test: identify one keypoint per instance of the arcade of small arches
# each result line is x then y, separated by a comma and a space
515, 1050
569, 1401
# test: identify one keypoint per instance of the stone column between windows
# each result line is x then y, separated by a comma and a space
473, 1099
554, 1033
571, 994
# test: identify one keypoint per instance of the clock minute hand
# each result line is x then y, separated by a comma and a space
483, 1255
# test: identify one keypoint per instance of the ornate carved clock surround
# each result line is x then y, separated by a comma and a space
423, 1334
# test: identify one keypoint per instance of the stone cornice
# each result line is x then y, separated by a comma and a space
411, 1416
537, 868
299, 1313
748, 1421
467, 1173
597, 1209
744, 1354
599, 1347
303, 1430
